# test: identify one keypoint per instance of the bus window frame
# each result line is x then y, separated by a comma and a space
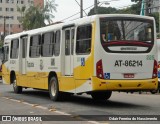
88, 50
51, 43
17, 49
128, 19
40, 44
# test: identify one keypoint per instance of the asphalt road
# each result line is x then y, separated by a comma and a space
81, 107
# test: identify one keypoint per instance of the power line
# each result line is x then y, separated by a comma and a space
80, 6
92, 6
76, 13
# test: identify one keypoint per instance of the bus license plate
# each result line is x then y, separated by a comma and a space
128, 63
128, 75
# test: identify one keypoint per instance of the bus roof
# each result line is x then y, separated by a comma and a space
80, 21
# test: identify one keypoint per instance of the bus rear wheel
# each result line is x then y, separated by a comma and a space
54, 92
17, 89
101, 95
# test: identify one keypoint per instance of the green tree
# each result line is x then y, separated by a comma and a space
49, 8
35, 16
134, 9
136, 0
103, 10
156, 17
21, 11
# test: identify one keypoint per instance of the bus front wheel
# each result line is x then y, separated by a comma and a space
101, 95
54, 92
17, 89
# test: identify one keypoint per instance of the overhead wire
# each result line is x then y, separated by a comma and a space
90, 7
80, 6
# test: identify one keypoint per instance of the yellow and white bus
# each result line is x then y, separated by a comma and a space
94, 55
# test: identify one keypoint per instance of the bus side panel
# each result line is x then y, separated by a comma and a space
22, 80
5, 74
67, 84
83, 68
34, 73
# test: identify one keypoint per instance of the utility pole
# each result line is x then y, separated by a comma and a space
4, 30
81, 9
95, 7
4, 24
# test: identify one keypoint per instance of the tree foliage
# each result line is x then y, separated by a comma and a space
35, 16
103, 10
134, 9
136, 0
156, 17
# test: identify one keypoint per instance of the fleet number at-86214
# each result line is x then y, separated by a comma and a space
128, 63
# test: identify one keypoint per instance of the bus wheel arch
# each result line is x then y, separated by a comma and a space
17, 89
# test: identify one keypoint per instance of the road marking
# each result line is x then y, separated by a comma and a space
62, 113
35, 105
52, 109
41, 107
26, 103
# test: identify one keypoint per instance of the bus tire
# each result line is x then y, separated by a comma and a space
17, 89
154, 91
54, 92
101, 95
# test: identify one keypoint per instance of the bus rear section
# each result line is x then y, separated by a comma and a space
125, 54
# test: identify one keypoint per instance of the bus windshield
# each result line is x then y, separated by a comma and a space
126, 35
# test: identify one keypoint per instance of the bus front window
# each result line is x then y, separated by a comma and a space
115, 33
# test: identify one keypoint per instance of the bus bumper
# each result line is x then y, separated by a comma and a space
121, 85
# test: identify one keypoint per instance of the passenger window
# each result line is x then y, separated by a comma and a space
83, 42
5, 53
57, 43
67, 42
35, 46
47, 44
72, 41
14, 49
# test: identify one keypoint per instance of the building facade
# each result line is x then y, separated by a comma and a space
154, 6
10, 16
39, 3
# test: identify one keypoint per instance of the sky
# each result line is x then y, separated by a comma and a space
67, 8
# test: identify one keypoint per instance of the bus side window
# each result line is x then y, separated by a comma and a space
83, 41
67, 42
57, 43
14, 49
5, 54
72, 41
47, 44
35, 46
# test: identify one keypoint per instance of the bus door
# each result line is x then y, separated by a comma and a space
69, 46
23, 51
